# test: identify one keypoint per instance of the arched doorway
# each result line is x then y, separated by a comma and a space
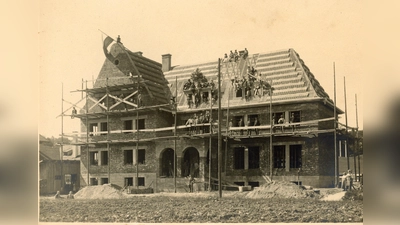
167, 163
191, 162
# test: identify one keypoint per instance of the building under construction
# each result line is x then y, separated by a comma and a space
146, 124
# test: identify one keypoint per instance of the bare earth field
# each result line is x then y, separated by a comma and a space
202, 207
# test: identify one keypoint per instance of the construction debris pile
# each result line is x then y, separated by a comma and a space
105, 191
281, 189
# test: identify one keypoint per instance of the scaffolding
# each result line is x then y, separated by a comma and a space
102, 108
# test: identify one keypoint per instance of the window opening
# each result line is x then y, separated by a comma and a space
67, 178
94, 158
141, 124
277, 116
254, 184
295, 116
238, 121
279, 156
239, 158
141, 181
239, 183
93, 181
191, 160
142, 156
128, 157
167, 163
295, 156
254, 157
104, 157
93, 128
104, 180
128, 181
103, 127
297, 182
128, 125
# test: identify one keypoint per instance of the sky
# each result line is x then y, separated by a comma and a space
321, 32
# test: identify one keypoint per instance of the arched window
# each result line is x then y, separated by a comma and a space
191, 163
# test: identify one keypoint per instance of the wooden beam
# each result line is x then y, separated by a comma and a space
126, 102
122, 100
96, 103
94, 100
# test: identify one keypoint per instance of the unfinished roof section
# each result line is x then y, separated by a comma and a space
290, 77
123, 71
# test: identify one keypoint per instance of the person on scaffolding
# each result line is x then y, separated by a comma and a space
189, 123
231, 56
74, 112
246, 53
236, 55
256, 123
225, 60
281, 121
230, 126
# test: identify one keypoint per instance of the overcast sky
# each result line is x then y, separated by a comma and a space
321, 32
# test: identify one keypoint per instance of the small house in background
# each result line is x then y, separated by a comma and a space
58, 172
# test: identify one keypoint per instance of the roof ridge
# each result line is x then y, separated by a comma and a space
310, 78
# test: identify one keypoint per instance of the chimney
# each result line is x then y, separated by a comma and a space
166, 62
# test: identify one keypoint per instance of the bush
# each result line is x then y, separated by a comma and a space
354, 195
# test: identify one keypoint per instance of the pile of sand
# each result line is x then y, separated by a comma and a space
105, 191
281, 189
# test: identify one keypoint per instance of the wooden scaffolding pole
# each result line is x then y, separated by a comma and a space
62, 138
209, 142
219, 130
137, 130
227, 131
334, 125
108, 133
175, 134
357, 142
347, 132
270, 131
87, 136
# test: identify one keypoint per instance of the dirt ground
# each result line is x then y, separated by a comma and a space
202, 207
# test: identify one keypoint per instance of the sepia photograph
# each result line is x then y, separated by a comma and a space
142, 112
201, 112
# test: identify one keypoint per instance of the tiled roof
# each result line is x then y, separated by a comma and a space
49, 152
149, 70
291, 79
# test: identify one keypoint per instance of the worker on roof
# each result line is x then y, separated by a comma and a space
246, 53
225, 60
236, 55
231, 56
